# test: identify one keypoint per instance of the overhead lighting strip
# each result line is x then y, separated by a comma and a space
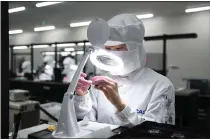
18, 9
18, 31
198, 9
43, 4
79, 24
45, 28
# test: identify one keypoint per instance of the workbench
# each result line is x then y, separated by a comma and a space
93, 130
146, 130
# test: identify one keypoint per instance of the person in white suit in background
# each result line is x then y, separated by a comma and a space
69, 69
48, 73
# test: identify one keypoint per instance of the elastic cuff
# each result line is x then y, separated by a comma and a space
81, 98
124, 113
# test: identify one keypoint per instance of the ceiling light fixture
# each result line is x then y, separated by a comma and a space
42, 4
66, 44
69, 49
40, 46
198, 9
53, 53
144, 16
18, 9
80, 24
15, 31
20, 47
65, 53
80, 52
88, 44
80, 44
44, 28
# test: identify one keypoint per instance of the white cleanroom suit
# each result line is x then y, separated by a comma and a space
148, 95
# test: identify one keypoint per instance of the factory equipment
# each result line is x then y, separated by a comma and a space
22, 111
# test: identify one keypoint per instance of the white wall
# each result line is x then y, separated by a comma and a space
191, 55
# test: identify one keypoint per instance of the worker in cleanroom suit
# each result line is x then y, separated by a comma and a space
69, 69
20, 69
47, 74
26, 67
135, 93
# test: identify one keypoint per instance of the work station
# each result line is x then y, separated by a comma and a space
139, 71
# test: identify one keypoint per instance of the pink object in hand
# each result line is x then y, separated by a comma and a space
99, 79
83, 84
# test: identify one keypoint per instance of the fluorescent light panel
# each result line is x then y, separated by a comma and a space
80, 44
88, 44
80, 52
42, 4
16, 31
80, 24
53, 53
44, 28
49, 53
66, 44
65, 53
197, 9
18, 9
69, 49
144, 16
20, 47
40, 46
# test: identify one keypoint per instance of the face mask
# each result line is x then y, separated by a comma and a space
130, 59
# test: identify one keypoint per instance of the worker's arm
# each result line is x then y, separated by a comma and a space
160, 109
86, 105
85, 101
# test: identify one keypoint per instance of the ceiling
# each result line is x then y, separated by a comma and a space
62, 14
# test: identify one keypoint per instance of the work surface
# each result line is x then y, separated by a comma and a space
145, 130
24, 133
92, 129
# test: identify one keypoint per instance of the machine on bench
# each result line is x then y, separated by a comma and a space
22, 110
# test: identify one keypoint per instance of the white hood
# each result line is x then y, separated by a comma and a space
49, 60
26, 66
128, 29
